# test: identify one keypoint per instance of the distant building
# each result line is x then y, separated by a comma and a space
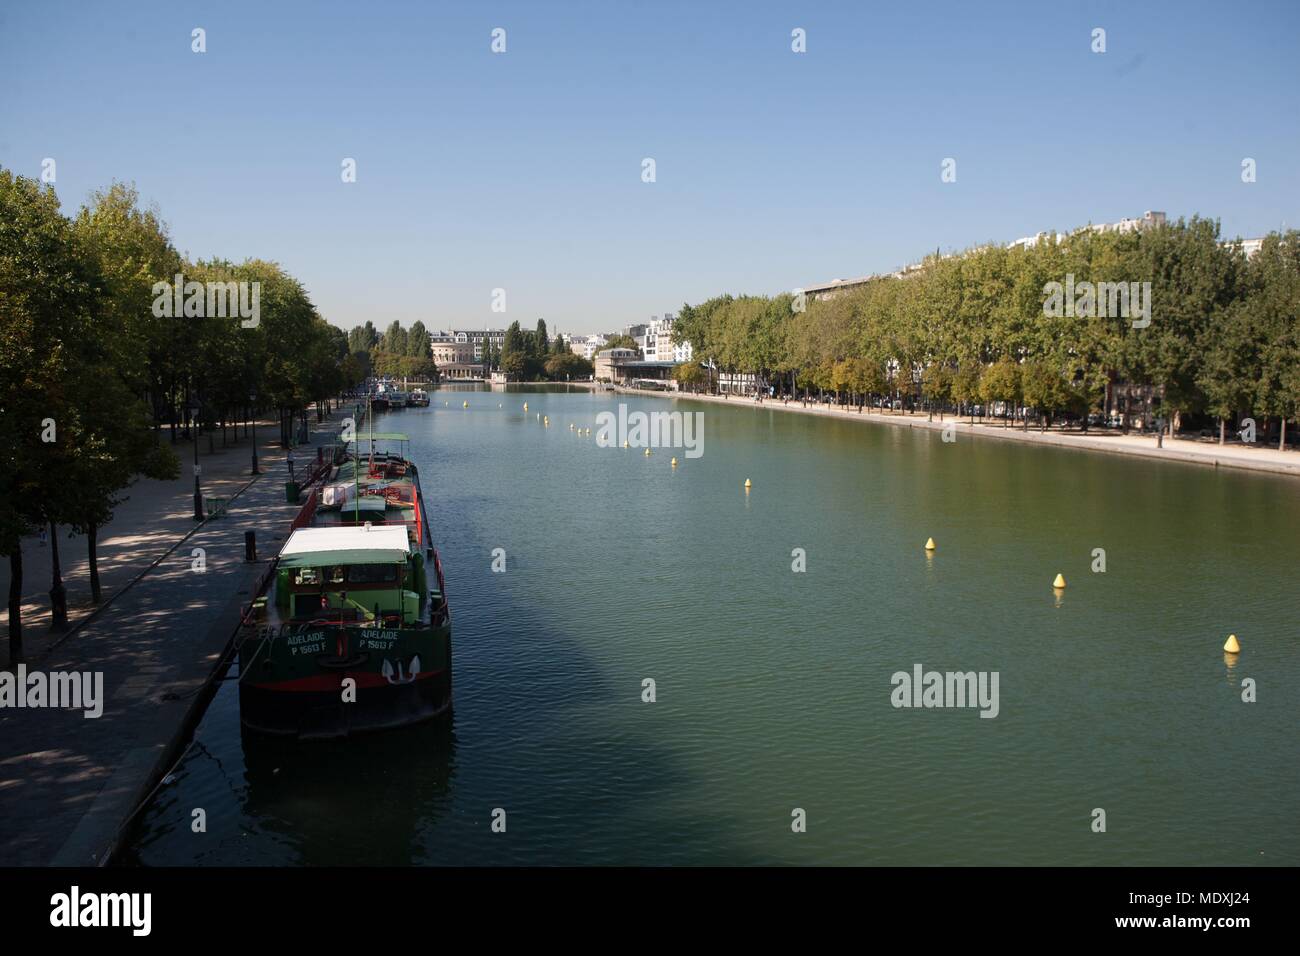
473, 339
657, 342
627, 367
1028, 242
1248, 246
448, 350
1149, 219
586, 345
828, 289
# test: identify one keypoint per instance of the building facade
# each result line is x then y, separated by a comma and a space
586, 345
657, 343
470, 341
627, 367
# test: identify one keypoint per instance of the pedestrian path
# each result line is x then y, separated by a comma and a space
68, 783
155, 516
1248, 457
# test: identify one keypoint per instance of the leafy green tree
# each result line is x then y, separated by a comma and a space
1001, 383
568, 366
965, 386
936, 386
622, 342
1044, 389
394, 340
363, 338
50, 293
418, 343
690, 375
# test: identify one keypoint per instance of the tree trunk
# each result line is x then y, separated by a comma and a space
92, 553
1222, 427
58, 593
16, 603
1281, 442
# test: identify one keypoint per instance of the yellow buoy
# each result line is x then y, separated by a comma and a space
572, 426
674, 462
525, 406
1232, 645
1059, 582
929, 544
647, 452
625, 444
464, 405
748, 483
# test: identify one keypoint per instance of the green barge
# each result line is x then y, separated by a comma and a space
352, 632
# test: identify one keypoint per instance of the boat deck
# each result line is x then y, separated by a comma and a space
378, 491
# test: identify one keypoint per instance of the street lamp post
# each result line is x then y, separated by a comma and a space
194, 434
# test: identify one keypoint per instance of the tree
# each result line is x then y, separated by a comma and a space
622, 342
363, 338
514, 364
394, 340
936, 386
49, 292
690, 375
1043, 389
1001, 383
965, 386
418, 343
568, 366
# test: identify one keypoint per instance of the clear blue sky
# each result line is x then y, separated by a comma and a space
523, 170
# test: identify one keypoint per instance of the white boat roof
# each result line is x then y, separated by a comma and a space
364, 544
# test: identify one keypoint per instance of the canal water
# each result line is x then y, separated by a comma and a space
773, 687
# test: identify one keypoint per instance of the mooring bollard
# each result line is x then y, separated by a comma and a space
250, 546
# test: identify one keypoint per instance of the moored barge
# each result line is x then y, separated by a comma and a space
352, 632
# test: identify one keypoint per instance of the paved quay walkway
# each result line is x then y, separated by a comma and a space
1253, 457
154, 517
69, 783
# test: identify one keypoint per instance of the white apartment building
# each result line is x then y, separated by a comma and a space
657, 342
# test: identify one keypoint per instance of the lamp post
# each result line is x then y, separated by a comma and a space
252, 413
194, 435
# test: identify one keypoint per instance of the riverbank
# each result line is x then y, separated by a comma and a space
69, 784
1185, 450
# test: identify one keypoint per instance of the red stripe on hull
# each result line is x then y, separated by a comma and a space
333, 680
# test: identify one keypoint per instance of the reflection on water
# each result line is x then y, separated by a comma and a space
273, 800
363, 801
